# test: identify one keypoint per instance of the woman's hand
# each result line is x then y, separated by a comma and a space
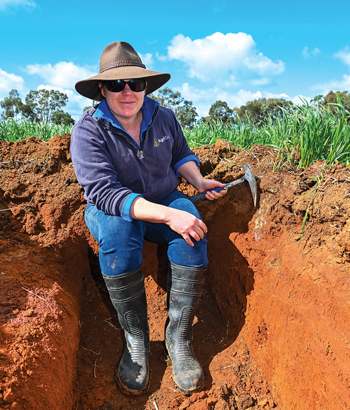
186, 225
182, 222
192, 175
207, 184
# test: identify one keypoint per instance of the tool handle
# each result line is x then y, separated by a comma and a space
201, 196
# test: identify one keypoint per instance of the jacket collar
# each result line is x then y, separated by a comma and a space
148, 108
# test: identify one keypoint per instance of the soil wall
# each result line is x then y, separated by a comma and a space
291, 282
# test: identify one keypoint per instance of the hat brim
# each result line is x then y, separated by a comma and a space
89, 88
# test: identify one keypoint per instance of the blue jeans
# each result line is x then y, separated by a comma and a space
121, 242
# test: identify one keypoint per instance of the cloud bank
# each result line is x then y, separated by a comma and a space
222, 54
230, 62
63, 74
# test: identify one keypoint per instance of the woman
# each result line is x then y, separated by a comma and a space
127, 153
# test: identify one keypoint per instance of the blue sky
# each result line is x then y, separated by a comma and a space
214, 50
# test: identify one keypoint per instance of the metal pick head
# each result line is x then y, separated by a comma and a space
249, 176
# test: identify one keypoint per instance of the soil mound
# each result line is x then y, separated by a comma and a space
272, 329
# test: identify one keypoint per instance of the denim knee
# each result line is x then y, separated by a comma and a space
121, 242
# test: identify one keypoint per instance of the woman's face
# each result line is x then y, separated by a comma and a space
125, 104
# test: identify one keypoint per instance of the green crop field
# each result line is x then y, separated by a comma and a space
306, 135
11, 130
309, 133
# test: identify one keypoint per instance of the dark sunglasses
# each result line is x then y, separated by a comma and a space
116, 86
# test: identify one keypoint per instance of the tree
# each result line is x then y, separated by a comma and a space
331, 99
184, 110
40, 105
186, 114
317, 99
62, 118
219, 111
11, 104
258, 111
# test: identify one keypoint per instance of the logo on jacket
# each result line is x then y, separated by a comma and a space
160, 140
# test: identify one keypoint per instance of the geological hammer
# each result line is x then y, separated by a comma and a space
248, 176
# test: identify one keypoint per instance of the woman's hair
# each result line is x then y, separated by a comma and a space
99, 97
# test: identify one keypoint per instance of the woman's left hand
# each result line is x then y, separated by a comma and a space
208, 184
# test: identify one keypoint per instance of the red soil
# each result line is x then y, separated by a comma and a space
272, 329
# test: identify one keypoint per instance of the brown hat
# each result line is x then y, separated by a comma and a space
119, 61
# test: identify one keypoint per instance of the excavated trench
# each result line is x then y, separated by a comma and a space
272, 329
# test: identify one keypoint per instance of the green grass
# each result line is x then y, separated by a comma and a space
302, 137
13, 131
309, 134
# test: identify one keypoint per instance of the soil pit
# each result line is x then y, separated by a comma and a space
272, 330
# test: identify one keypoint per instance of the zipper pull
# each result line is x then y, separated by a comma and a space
141, 154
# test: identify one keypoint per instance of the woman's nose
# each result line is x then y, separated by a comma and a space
127, 89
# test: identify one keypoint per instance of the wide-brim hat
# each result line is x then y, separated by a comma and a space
119, 61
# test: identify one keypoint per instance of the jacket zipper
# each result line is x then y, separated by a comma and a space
127, 137
144, 139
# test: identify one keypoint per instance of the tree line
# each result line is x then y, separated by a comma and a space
256, 112
46, 105
42, 105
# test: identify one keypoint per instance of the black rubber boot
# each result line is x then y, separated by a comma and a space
127, 293
185, 287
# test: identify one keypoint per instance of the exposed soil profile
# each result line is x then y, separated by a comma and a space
272, 330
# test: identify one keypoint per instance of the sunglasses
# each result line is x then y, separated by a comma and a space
116, 86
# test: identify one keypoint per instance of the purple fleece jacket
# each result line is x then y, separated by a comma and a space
113, 169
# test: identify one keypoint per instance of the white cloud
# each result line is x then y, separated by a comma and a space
314, 53
147, 59
9, 82
202, 99
62, 77
63, 74
334, 85
16, 3
219, 54
263, 65
240, 98
160, 57
344, 55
